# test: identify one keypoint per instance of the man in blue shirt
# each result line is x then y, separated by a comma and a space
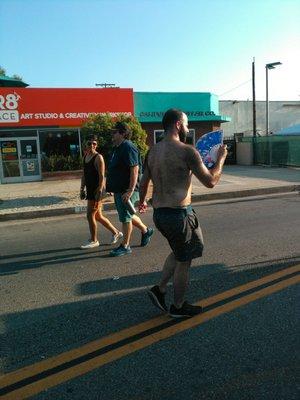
124, 171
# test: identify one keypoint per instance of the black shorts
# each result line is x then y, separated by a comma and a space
181, 228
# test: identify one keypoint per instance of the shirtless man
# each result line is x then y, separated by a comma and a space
170, 165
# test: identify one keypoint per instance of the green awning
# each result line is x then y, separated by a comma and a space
198, 106
6, 81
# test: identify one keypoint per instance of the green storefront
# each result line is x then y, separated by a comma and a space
202, 110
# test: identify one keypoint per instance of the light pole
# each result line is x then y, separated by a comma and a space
269, 66
253, 112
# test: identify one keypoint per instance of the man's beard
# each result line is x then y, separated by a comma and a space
182, 135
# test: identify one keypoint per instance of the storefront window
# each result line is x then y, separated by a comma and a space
158, 136
60, 149
191, 137
59, 142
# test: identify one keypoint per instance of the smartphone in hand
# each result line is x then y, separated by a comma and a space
82, 194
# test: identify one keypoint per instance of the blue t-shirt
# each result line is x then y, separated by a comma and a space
125, 155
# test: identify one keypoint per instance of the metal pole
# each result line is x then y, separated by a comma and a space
254, 111
269, 66
267, 118
267, 102
79, 142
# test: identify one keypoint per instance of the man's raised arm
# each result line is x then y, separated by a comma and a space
208, 177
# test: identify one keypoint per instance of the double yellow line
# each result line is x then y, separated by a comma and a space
35, 378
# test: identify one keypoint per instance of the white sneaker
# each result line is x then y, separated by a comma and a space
90, 245
115, 238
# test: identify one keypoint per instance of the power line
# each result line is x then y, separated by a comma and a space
231, 90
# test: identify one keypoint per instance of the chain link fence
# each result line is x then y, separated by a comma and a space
275, 150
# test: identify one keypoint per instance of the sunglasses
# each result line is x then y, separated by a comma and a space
91, 143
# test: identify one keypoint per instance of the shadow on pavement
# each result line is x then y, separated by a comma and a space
37, 253
16, 266
32, 202
33, 335
17, 262
119, 284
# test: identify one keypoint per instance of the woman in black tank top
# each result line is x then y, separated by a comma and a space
93, 181
91, 176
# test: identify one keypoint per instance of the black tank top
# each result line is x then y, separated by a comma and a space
91, 175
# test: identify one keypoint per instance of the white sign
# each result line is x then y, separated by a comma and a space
30, 166
8, 106
9, 116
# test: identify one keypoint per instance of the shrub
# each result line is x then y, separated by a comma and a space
101, 125
57, 162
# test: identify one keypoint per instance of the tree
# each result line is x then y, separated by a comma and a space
17, 77
3, 73
101, 125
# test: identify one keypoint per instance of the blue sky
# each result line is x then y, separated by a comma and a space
154, 45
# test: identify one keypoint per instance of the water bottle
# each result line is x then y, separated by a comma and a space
130, 207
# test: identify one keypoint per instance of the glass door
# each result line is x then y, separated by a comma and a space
20, 160
10, 165
30, 166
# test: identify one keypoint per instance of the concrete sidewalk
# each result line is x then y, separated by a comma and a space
59, 197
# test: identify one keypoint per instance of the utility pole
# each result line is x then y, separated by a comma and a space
253, 97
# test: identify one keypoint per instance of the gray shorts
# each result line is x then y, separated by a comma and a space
181, 228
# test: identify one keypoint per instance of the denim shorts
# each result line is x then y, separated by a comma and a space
124, 214
181, 228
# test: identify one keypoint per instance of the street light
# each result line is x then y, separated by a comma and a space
269, 66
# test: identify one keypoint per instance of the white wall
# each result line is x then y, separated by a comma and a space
281, 115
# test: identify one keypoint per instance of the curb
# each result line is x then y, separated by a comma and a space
245, 193
110, 206
51, 212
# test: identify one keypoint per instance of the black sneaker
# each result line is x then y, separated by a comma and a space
146, 237
120, 251
186, 310
157, 298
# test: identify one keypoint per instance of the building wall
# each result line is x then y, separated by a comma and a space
202, 110
281, 115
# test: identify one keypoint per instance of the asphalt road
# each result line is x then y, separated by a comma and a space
56, 298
